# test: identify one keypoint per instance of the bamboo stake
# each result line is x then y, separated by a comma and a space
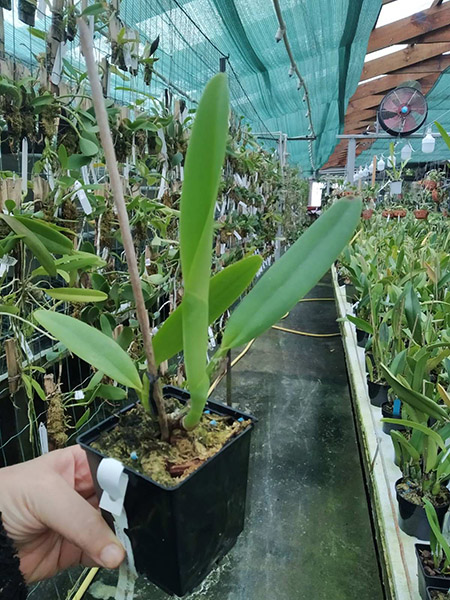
117, 190
374, 171
12, 365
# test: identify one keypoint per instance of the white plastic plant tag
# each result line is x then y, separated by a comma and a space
244, 207
85, 175
83, 199
222, 248
148, 262
5, 263
114, 481
43, 438
78, 395
24, 165
105, 253
55, 77
163, 184
181, 173
236, 235
212, 341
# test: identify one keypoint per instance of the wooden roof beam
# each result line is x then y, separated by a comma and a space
408, 28
430, 66
402, 58
383, 84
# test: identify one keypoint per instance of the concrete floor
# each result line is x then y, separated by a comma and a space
308, 534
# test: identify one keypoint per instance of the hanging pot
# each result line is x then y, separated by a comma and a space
421, 213
378, 393
27, 11
399, 213
395, 187
178, 534
387, 213
367, 214
412, 518
425, 580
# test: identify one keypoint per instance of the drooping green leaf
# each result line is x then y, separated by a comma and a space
125, 338
77, 260
33, 243
361, 324
445, 136
294, 274
76, 295
224, 289
111, 392
203, 167
92, 346
6, 308
53, 240
403, 442
76, 161
95, 9
83, 419
413, 313
423, 428
417, 400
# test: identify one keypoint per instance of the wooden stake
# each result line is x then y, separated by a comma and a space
229, 400
117, 189
374, 172
12, 365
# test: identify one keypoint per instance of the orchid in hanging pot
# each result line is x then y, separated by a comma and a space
395, 174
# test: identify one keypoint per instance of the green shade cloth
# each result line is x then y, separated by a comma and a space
438, 99
328, 38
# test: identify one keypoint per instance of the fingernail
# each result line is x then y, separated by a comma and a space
111, 556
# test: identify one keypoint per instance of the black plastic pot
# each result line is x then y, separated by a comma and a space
179, 534
387, 414
428, 581
27, 11
434, 589
378, 393
361, 338
412, 518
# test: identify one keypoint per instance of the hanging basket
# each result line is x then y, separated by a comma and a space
421, 214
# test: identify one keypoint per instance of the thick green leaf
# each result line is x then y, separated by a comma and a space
110, 392
413, 313
53, 240
444, 134
397, 437
78, 260
87, 147
423, 428
7, 308
294, 274
224, 289
417, 400
360, 324
203, 167
33, 243
76, 295
125, 338
76, 161
92, 346
83, 419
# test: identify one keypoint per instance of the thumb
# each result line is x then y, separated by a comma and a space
69, 514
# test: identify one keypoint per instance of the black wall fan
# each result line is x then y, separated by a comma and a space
403, 110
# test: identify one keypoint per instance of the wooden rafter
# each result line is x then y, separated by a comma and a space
402, 58
406, 29
428, 36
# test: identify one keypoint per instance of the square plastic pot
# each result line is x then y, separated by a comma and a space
179, 534
434, 589
427, 581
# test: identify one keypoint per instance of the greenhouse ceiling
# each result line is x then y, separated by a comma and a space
328, 40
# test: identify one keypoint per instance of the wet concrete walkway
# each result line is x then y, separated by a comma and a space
308, 534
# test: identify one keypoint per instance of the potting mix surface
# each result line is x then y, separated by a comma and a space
136, 443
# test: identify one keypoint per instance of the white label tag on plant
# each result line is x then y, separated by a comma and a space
5, 263
222, 248
43, 438
236, 235
78, 395
85, 175
148, 262
24, 165
83, 199
55, 77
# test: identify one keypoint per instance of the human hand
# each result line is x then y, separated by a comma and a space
50, 511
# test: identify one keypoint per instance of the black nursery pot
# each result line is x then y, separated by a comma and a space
179, 534
428, 581
434, 589
361, 338
412, 518
378, 393
387, 414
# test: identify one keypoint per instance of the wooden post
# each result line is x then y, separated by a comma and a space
374, 171
12, 365
229, 401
